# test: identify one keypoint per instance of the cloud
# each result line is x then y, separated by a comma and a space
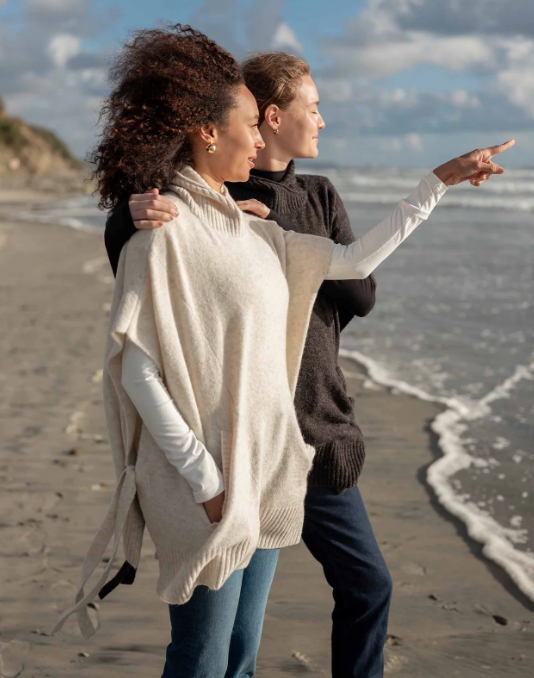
458, 17
63, 47
408, 142
389, 37
53, 6
262, 25
46, 74
285, 38
216, 18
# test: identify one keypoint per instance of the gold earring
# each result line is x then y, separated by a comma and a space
211, 148
276, 131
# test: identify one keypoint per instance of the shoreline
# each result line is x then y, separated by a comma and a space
477, 528
56, 478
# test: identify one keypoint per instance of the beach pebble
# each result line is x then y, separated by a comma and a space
99, 486
71, 452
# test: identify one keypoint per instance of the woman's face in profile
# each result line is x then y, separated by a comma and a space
240, 140
301, 122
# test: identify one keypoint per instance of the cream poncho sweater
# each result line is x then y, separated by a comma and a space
220, 300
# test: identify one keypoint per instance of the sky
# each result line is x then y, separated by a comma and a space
401, 82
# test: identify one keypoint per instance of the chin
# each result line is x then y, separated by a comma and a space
309, 153
239, 177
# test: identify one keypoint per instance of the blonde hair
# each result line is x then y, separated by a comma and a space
273, 78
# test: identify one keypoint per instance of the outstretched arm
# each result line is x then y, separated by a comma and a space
353, 297
360, 258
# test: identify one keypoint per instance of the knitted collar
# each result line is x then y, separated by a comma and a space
219, 208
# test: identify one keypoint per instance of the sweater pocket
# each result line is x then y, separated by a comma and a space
226, 457
226, 448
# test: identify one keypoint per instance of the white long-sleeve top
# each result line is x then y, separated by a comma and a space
143, 383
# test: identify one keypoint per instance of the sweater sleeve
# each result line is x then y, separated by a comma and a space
119, 229
359, 259
353, 297
143, 384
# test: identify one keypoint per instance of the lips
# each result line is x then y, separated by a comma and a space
251, 160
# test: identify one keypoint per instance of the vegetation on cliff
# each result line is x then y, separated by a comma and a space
32, 149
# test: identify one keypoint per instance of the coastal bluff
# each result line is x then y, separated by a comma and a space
31, 150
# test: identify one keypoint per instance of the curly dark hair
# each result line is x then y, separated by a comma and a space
167, 83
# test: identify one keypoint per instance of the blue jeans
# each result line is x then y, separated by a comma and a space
339, 535
216, 634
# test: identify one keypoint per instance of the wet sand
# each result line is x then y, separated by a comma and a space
453, 613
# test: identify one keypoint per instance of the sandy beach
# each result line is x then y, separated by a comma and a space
453, 613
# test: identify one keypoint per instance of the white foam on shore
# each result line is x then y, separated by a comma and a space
498, 541
80, 213
518, 204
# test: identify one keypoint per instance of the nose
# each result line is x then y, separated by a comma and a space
259, 144
322, 123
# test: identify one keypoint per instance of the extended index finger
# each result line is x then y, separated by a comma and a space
495, 150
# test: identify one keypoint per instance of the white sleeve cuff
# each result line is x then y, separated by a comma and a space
205, 495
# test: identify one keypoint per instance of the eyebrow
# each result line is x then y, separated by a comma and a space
255, 117
315, 103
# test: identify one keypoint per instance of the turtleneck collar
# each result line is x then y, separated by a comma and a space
269, 174
287, 184
218, 207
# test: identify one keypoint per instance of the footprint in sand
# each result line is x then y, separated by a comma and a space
307, 664
97, 377
74, 427
414, 568
99, 267
11, 658
95, 265
394, 662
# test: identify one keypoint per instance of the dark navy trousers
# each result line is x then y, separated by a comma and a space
339, 535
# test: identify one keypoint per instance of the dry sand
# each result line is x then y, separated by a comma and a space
453, 613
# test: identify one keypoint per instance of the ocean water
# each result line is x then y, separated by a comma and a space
453, 323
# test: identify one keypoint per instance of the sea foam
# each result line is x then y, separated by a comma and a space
498, 541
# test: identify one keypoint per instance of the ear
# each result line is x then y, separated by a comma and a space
272, 116
208, 134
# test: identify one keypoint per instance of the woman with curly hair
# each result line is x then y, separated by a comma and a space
207, 329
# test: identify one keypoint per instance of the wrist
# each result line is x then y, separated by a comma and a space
444, 173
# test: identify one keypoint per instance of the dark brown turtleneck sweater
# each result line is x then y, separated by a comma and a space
306, 203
